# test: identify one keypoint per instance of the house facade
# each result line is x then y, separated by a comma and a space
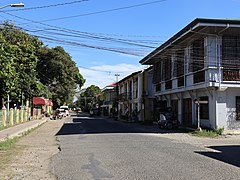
148, 98
109, 100
129, 93
201, 63
136, 96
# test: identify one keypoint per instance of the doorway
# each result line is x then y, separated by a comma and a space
187, 112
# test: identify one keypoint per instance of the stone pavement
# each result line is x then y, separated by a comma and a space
20, 129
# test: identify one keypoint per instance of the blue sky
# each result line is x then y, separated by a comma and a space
89, 26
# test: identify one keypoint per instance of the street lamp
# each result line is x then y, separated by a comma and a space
12, 5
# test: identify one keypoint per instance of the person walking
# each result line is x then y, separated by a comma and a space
126, 113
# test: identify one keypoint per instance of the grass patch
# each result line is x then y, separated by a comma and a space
208, 133
8, 150
205, 133
8, 144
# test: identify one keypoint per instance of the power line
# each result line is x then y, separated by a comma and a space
109, 72
81, 33
104, 11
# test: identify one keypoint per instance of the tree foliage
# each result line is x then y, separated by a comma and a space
18, 62
92, 91
29, 68
59, 73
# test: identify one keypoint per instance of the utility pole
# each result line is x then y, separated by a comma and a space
117, 75
117, 93
198, 103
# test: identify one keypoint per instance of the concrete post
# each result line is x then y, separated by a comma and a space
24, 115
21, 119
17, 116
4, 120
29, 113
11, 117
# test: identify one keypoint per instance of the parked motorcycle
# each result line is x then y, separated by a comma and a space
167, 120
56, 115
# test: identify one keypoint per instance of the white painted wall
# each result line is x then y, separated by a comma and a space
221, 109
231, 121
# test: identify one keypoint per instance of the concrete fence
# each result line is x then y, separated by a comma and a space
17, 116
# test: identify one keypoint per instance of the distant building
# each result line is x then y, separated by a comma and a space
136, 96
109, 100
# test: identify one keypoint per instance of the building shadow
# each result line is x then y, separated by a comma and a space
227, 154
98, 125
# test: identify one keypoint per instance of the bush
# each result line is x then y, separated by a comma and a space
219, 131
205, 133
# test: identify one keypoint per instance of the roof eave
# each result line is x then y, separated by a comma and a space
187, 29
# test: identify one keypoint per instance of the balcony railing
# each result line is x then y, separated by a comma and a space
158, 87
199, 76
125, 96
122, 97
231, 75
180, 81
168, 84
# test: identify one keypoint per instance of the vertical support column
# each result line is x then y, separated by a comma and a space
218, 58
132, 93
139, 92
198, 115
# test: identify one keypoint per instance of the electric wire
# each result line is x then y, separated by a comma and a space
103, 11
231, 62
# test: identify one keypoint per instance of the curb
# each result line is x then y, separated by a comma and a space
22, 132
231, 132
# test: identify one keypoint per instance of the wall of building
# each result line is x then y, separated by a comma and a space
231, 121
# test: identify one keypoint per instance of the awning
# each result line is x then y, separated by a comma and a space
40, 101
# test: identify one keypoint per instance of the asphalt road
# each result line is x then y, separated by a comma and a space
100, 149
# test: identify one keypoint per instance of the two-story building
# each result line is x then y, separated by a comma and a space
136, 96
109, 99
200, 62
130, 90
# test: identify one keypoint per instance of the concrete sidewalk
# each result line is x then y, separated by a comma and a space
20, 129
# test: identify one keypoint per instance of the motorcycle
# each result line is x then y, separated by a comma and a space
56, 115
167, 120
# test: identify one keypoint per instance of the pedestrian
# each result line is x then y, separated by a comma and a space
126, 113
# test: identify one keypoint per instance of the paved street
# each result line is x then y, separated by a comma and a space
97, 148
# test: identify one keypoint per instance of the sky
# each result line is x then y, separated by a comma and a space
107, 38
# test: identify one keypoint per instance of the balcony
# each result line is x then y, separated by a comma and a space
129, 97
231, 75
122, 97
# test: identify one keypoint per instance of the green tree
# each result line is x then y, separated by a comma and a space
88, 97
59, 73
92, 91
18, 62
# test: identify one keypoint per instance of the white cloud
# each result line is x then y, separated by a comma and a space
104, 75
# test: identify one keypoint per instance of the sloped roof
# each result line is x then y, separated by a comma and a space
129, 76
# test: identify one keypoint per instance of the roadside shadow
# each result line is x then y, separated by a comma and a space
227, 154
98, 125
